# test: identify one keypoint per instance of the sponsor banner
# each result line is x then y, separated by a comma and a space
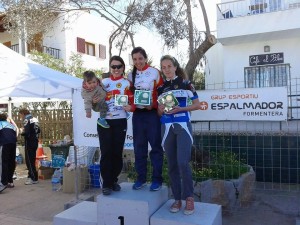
85, 129
253, 104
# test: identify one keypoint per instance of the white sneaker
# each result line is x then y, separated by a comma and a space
29, 181
15, 176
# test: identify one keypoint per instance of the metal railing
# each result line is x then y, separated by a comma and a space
240, 8
54, 52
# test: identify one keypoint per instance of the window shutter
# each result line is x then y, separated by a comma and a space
80, 45
102, 51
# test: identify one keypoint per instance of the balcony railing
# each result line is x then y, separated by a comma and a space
51, 51
240, 8
15, 48
54, 52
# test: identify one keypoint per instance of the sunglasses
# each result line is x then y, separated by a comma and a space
116, 66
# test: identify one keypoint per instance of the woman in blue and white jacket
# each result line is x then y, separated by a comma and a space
176, 132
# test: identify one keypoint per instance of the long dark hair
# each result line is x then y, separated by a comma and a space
134, 51
179, 71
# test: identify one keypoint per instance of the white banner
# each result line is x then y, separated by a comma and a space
265, 104
85, 129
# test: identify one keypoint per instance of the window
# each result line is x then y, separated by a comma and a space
275, 5
267, 76
258, 6
89, 49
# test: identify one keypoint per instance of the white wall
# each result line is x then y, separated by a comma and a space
236, 57
55, 38
227, 63
94, 30
214, 68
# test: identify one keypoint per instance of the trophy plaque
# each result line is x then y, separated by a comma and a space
121, 100
168, 100
142, 97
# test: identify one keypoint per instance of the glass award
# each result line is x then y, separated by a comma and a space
142, 97
168, 100
121, 100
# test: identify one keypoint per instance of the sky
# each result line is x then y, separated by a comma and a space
153, 44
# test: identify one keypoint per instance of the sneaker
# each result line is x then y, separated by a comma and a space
10, 185
106, 191
189, 207
29, 181
15, 176
176, 206
116, 187
2, 188
102, 122
155, 186
138, 185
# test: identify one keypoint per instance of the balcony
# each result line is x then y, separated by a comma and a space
54, 52
248, 20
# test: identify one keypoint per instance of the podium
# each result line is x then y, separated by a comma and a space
205, 214
136, 207
83, 213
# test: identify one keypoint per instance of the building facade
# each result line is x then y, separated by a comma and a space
80, 33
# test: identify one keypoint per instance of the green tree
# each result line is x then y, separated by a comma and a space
199, 80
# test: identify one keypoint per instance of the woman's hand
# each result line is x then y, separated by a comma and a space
127, 108
176, 109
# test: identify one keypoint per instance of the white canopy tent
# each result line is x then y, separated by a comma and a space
23, 80
22, 77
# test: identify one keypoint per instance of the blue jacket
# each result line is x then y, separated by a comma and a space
8, 133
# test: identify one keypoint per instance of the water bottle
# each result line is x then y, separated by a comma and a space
56, 177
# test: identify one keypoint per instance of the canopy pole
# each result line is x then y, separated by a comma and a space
9, 107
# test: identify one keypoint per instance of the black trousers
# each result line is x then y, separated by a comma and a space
8, 162
111, 145
31, 146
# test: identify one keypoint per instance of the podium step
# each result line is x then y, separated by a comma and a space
205, 214
83, 213
134, 207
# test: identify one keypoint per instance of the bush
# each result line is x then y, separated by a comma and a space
222, 165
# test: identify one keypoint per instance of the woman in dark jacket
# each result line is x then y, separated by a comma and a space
8, 144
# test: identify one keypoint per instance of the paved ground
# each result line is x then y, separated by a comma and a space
37, 204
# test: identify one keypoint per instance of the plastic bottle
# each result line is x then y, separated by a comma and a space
56, 177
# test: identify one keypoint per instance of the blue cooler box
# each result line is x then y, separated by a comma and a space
94, 171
